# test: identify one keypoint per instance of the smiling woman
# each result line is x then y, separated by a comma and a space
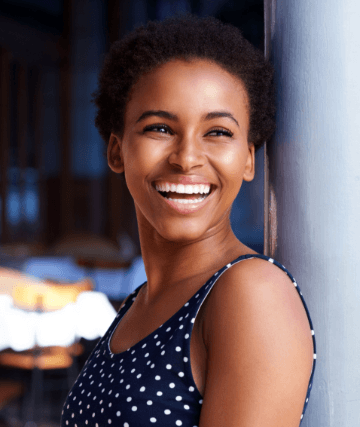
205, 144
218, 335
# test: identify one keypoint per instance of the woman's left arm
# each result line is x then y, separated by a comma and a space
259, 349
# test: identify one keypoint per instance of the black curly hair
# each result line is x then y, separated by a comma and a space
186, 37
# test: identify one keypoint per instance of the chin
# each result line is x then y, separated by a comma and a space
182, 233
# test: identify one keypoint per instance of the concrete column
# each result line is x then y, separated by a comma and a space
314, 170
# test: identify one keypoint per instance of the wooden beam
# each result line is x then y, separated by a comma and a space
120, 204
22, 140
39, 153
115, 184
270, 204
113, 20
269, 22
67, 206
4, 138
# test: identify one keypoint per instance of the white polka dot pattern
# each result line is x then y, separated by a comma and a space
151, 382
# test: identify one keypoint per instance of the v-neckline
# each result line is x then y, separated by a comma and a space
130, 302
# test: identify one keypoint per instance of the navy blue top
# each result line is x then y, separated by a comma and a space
150, 383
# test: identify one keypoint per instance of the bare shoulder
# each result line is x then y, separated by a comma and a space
259, 348
258, 287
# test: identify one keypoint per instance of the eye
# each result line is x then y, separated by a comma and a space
159, 128
220, 132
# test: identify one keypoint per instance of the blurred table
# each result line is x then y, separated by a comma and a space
36, 312
89, 317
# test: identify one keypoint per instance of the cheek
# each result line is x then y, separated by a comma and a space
232, 165
140, 160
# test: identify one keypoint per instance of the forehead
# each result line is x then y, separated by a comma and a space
190, 69
197, 84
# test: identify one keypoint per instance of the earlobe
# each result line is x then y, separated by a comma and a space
114, 155
250, 164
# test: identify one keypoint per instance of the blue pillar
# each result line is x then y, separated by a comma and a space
314, 171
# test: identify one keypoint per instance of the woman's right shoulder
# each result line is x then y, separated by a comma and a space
259, 348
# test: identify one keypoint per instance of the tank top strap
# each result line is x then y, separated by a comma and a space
201, 295
204, 291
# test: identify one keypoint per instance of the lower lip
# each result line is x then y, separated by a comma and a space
188, 207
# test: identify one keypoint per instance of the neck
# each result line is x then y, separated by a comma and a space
168, 263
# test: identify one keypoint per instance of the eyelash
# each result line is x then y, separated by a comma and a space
226, 132
158, 126
150, 128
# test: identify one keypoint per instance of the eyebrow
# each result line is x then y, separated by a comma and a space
216, 114
174, 117
157, 113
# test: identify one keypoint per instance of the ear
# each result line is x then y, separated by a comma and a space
250, 164
114, 155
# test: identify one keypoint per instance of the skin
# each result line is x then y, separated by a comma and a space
251, 347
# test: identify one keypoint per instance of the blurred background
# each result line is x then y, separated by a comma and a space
68, 233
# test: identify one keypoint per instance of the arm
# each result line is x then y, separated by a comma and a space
259, 349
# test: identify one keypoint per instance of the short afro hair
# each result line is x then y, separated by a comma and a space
186, 37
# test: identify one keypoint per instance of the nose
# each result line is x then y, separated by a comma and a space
187, 154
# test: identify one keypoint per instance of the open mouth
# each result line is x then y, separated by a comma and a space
184, 194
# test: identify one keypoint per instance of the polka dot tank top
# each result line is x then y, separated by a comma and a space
149, 384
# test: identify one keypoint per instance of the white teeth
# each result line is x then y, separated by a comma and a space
187, 201
189, 189
180, 188
183, 189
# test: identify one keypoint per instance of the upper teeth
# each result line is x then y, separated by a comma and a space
184, 189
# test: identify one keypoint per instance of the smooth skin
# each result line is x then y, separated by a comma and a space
251, 346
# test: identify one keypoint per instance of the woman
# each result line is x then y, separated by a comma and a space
218, 335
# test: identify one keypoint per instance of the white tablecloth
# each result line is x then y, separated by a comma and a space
89, 317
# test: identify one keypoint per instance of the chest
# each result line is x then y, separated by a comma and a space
133, 379
137, 325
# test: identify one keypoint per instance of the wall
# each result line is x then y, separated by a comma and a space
314, 169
